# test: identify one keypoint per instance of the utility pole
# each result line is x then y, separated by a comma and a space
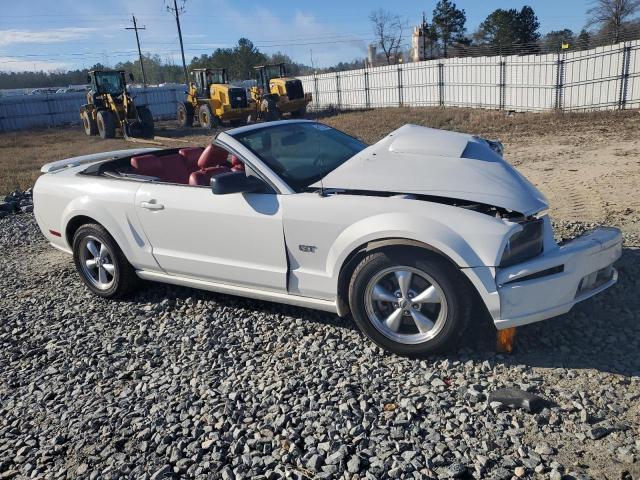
136, 28
177, 11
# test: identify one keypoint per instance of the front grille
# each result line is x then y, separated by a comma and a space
294, 89
238, 97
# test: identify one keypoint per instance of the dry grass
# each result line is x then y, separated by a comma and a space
372, 125
23, 153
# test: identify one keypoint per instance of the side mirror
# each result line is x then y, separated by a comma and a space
131, 76
235, 182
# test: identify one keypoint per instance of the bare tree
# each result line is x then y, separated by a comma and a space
610, 15
388, 29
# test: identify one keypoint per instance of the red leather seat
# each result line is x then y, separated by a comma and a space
191, 156
212, 156
203, 177
236, 164
147, 165
168, 168
212, 162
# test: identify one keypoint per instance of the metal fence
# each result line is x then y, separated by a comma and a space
604, 77
21, 112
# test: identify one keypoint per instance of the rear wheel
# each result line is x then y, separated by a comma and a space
101, 264
270, 110
106, 125
146, 118
409, 302
185, 114
89, 124
207, 118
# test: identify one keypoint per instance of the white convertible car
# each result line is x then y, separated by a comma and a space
411, 235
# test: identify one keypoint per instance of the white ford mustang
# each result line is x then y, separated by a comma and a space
411, 235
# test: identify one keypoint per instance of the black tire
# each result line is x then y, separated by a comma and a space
89, 124
124, 278
270, 110
449, 325
207, 118
301, 112
146, 119
106, 125
185, 114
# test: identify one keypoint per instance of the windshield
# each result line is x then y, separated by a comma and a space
272, 71
301, 153
215, 77
110, 82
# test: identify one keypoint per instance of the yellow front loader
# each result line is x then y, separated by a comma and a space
276, 94
110, 107
211, 100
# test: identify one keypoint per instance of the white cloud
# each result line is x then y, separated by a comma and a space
55, 35
12, 64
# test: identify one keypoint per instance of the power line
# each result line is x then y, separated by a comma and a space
136, 28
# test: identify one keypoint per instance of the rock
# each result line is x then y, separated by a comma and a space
163, 472
519, 472
516, 398
353, 465
315, 462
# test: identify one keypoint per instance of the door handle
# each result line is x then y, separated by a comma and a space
152, 205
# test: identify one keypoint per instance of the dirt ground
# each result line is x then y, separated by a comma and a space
588, 164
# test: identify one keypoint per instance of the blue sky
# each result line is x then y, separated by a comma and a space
45, 34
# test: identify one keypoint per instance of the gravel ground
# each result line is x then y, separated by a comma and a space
179, 383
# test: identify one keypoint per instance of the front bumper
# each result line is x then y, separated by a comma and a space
553, 282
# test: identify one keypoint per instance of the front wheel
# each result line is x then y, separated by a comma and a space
101, 264
89, 124
106, 125
207, 118
408, 302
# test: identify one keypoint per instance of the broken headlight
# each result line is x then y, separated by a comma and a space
496, 146
525, 244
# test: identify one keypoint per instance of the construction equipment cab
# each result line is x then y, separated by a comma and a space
212, 100
276, 94
109, 107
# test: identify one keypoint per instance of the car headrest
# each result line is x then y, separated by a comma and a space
236, 163
191, 155
147, 165
212, 156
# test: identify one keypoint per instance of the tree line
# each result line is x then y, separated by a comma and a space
504, 31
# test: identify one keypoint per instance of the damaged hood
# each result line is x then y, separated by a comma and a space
427, 161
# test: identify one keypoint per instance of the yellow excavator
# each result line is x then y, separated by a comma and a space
211, 100
110, 107
276, 94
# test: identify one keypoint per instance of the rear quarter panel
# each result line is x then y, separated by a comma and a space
61, 196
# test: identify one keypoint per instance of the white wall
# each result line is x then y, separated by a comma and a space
27, 111
589, 79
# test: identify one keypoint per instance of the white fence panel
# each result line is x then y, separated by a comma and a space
28, 111
420, 85
590, 79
